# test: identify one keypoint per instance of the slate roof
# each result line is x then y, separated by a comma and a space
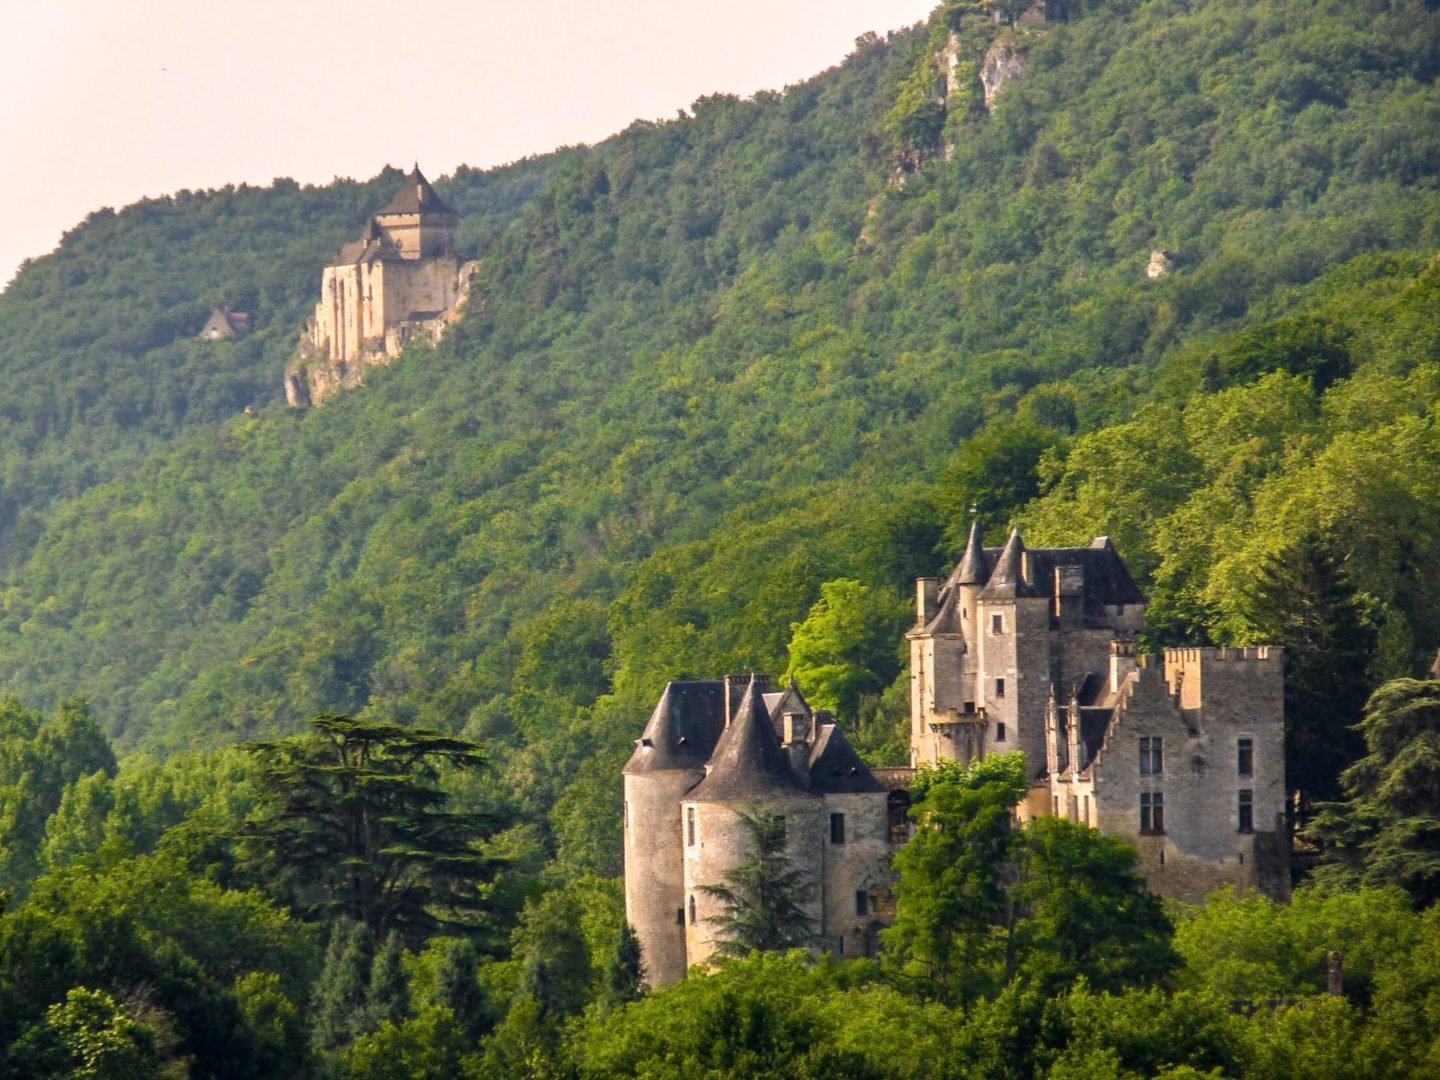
416, 197
1007, 578
1107, 579
779, 702
946, 619
748, 762
683, 729
836, 768
974, 565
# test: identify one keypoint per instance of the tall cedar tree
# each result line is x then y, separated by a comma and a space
352, 823
1388, 829
763, 898
1302, 600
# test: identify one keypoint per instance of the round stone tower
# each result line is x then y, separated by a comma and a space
669, 760
749, 772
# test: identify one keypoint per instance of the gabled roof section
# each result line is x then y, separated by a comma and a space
1007, 579
835, 767
947, 617
780, 702
748, 762
416, 197
683, 729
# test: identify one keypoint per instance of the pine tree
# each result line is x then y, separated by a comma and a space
625, 975
1387, 832
763, 898
340, 992
458, 988
1302, 600
388, 998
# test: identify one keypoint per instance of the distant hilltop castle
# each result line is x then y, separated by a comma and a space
402, 280
1019, 649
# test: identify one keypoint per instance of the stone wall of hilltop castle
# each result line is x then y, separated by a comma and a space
368, 312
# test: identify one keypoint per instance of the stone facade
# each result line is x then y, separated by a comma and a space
1034, 650
400, 282
1021, 648
713, 750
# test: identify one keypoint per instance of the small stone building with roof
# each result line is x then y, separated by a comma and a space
715, 749
402, 280
224, 325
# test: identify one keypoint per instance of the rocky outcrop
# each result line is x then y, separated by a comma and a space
1004, 64
314, 375
1161, 264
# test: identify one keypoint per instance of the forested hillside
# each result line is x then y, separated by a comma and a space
99, 365
724, 380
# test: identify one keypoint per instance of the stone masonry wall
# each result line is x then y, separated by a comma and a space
654, 870
722, 842
859, 865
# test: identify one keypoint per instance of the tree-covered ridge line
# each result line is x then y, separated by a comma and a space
685, 351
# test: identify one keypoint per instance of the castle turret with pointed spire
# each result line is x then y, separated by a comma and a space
400, 281
714, 751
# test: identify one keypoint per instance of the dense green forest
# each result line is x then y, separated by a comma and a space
729, 383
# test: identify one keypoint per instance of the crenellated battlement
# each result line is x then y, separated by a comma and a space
1255, 653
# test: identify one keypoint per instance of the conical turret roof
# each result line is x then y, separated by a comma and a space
683, 729
1007, 579
748, 762
974, 565
416, 197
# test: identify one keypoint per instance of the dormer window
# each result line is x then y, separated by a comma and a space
997, 624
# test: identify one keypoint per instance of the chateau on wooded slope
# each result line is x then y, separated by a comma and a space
1031, 649
401, 281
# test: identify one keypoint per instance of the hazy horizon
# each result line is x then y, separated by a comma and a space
118, 104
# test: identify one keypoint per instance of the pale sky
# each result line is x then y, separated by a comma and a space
104, 103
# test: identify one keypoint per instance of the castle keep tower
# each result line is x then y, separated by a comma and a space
1006, 626
400, 281
713, 750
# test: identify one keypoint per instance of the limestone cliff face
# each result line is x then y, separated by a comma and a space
318, 371
1004, 64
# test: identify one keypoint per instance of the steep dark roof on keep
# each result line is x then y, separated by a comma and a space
748, 762
836, 768
416, 197
683, 729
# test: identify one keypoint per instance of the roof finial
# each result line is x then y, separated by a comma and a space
974, 567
